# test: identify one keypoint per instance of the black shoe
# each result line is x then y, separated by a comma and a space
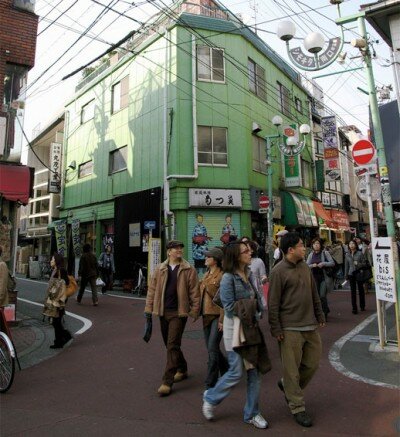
280, 385
355, 312
303, 419
56, 346
362, 309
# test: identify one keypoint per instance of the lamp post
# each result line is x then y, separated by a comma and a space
314, 44
291, 147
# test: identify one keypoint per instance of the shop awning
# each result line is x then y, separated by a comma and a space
16, 182
341, 218
324, 216
298, 210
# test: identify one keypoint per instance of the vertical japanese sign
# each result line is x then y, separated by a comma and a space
330, 139
76, 239
55, 168
383, 252
292, 171
154, 256
60, 227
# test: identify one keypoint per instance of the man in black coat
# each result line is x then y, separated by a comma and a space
88, 273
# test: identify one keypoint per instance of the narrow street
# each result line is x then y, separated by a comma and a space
104, 382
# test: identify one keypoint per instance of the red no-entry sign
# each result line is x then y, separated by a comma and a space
363, 152
263, 201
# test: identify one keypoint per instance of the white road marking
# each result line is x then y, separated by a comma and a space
334, 356
87, 324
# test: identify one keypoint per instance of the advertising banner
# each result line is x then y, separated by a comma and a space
330, 139
60, 227
292, 171
76, 239
55, 168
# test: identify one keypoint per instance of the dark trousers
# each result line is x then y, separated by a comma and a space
172, 328
107, 278
61, 334
322, 292
217, 363
93, 286
353, 287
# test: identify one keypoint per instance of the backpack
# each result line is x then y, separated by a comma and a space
11, 283
72, 288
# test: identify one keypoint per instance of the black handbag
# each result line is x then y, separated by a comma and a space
363, 275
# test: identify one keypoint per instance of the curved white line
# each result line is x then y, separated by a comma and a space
87, 324
334, 356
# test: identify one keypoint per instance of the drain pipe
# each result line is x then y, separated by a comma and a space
166, 193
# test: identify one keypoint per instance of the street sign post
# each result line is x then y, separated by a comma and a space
363, 152
383, 255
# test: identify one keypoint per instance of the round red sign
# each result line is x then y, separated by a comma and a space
363, 152
263, 201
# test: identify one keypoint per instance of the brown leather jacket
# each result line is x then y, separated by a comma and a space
209, 285
187, 289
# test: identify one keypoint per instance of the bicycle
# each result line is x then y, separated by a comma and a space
141, 285
7, 358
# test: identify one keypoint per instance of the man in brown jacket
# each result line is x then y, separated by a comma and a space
173, 295
295, 312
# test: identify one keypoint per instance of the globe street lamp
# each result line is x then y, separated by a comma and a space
314, 43
291, 147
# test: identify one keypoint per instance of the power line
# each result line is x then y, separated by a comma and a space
56, 19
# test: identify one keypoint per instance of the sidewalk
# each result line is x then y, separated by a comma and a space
357, 355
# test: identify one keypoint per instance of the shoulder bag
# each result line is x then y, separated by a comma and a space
72, 288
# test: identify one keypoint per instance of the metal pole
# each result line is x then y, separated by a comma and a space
383, 170
381, 330
269, 214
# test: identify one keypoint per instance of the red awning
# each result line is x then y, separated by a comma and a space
341, 218
324, 215
16, 182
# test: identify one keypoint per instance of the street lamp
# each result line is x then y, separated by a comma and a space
314, 44
291, 147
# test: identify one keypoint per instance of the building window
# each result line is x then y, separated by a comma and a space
256, 79
259, 155
118, 159
87, 112
298, 104
319, 146
305, 172
120, 95
212, 145
210, 64
284, 99
85, 169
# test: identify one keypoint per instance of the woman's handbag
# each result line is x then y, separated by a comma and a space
363, 275
72, 288
100, 282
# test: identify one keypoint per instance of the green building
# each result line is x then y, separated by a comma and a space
168, 135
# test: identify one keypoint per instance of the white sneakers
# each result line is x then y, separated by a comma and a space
208, 410
258, 421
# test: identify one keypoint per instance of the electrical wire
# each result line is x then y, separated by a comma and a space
56, 19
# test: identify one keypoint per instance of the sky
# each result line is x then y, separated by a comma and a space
73, 32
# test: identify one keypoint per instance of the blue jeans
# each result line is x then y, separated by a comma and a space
217, 363
232, 377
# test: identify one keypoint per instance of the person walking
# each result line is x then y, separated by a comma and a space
320, 260
56, 299
107, 268
295, 312
238, 288
88, 272
355, 260
3, 281
213, 316
173, 295
337, 253
278, 255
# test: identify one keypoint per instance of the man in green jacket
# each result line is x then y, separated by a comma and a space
173, 295
295, 312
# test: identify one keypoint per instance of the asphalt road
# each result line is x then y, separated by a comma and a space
105, 382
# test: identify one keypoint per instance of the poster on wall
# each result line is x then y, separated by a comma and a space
154, 256
134, 234
331, 148
210, 228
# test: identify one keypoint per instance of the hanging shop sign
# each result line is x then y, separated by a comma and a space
331, 148
292, 171
60, 228
309, 62
76, 239
209, 198
134, 234
55, 168
154, 256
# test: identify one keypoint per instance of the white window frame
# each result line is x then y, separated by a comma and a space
212, 152
298, 105
209, 65
119, 98
87, 111
87, 167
